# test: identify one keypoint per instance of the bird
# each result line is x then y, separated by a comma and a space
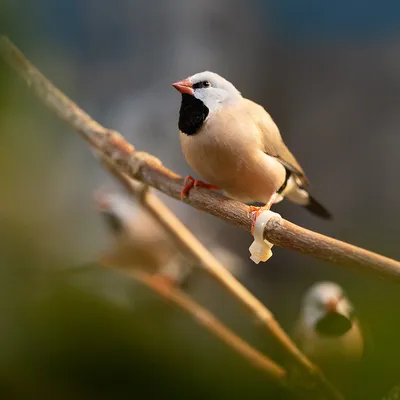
137, 240
327, 330
234, 144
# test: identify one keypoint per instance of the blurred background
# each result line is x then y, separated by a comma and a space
328, 73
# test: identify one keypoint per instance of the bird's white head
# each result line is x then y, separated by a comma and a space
326, 309
210, 88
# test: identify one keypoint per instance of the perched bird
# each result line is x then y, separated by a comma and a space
327, 330
137, 240
234, 144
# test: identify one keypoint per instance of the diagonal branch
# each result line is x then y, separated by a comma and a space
150, 170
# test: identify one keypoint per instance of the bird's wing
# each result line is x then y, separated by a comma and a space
272, 140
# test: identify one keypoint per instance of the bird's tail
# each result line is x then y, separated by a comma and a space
300, 195
297, 193
316, 208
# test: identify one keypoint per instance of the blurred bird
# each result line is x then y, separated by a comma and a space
235, 145
327, 330
137, 240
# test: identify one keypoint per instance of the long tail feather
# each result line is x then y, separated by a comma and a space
316, 208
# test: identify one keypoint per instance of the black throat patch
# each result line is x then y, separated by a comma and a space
192, 114
333, 324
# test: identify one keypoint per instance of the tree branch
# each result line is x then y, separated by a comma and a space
150, 170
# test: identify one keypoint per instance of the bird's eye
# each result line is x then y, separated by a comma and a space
202, 84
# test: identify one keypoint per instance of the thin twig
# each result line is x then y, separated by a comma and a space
215, 326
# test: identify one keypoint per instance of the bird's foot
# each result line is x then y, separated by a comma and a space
190, 182
256, 211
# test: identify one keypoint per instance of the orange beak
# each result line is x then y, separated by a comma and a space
331, 305
184, 86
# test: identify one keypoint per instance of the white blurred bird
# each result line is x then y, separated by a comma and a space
327, 330
137, 240
235, 145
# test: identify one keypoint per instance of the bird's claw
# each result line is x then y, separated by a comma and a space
190, 182
254, 212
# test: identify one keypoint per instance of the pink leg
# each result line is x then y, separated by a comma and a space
190, 182
256, 211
